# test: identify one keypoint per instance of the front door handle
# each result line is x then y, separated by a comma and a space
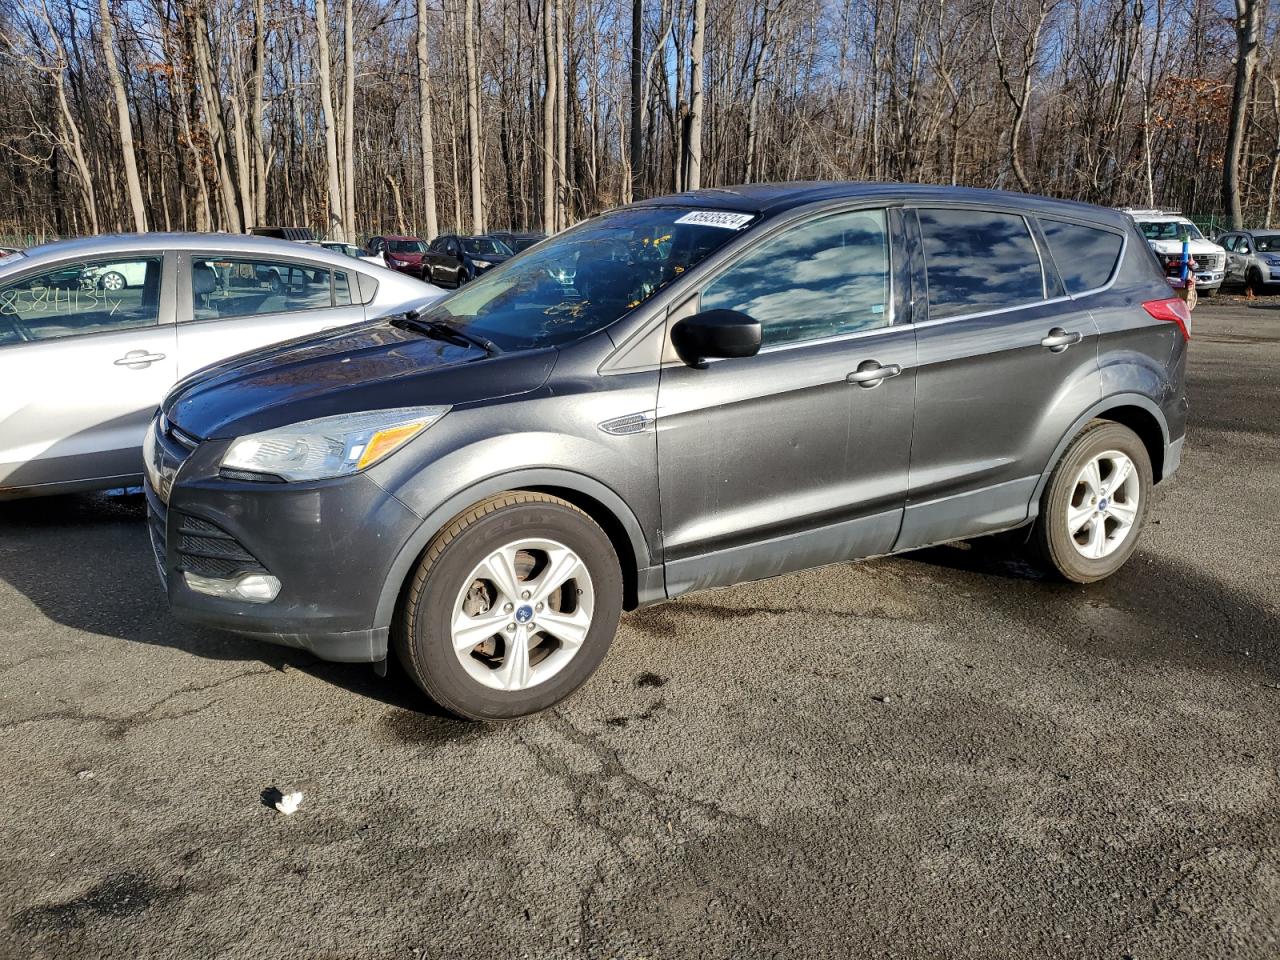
1058, 340
871, 374
138, 359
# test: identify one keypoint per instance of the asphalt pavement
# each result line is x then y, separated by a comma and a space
937, 755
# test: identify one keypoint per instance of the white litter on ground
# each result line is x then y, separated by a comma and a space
289, 802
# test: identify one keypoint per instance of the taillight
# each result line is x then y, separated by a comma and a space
1173, 310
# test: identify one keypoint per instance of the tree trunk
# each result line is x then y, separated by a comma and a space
259, 148
348, 122
636, 144
330, 133
1248, 16
549, 118
424, 126
132, 183
473, 116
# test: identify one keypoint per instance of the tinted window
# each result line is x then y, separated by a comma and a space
978, 261
224, 287
94, 296
406, 246
1266, 242
1085, 256
822, 279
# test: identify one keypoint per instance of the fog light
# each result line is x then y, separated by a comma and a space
250, 587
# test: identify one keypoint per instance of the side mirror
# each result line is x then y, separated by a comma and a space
1243, 248
715, 334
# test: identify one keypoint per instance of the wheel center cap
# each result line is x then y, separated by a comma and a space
524, 614
1102, 504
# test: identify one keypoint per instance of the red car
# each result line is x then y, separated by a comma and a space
401, 253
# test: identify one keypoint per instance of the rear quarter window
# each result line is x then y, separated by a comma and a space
978, 261
1086, 257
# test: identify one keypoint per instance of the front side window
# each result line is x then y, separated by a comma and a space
977, 261
1085, 256
223, 287
825, 278
584, 279
84, 297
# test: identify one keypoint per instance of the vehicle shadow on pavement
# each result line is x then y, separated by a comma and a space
1151, 609
85, 562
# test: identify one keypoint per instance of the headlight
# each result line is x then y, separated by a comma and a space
329, 446
483, 264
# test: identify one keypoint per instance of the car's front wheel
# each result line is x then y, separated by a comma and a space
512, 607
1095, 503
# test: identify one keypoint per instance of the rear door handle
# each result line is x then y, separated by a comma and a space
138, 359
870, 373
1059, 339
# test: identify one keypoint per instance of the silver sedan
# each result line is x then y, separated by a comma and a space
93, 333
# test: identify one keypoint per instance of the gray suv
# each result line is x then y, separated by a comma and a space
734, 384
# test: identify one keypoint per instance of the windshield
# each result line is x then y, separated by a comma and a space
523, 243
478, 246
586, 278
1267, 242
1169, 229
406, 246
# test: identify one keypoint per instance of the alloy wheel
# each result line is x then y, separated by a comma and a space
1103, 505
522, 614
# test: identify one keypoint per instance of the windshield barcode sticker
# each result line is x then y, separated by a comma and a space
724, 219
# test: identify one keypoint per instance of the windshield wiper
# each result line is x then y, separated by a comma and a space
443, 331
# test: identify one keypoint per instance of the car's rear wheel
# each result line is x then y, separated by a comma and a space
112, 280
1095, 503
512, 607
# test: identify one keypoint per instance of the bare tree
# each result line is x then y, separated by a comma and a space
432, 227
473, 116
336, 224
1247, 23
123, 120
1017, 77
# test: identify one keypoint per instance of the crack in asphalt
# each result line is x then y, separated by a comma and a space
116, 727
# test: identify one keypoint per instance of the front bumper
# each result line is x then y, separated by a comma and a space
330, 543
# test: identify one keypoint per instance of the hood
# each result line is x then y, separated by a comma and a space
368, 367
1175, 246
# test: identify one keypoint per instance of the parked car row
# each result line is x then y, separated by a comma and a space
1164, 231
450, 260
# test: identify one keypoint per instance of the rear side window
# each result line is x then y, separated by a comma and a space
1085, 256
226, 287
978, 261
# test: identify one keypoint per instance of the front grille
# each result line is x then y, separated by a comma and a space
1210, 261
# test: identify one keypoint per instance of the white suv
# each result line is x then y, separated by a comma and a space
1164, 230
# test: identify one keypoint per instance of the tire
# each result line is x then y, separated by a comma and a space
426, 275
452, 586
1253, 282
1209, 293
1083, 557
112, 280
